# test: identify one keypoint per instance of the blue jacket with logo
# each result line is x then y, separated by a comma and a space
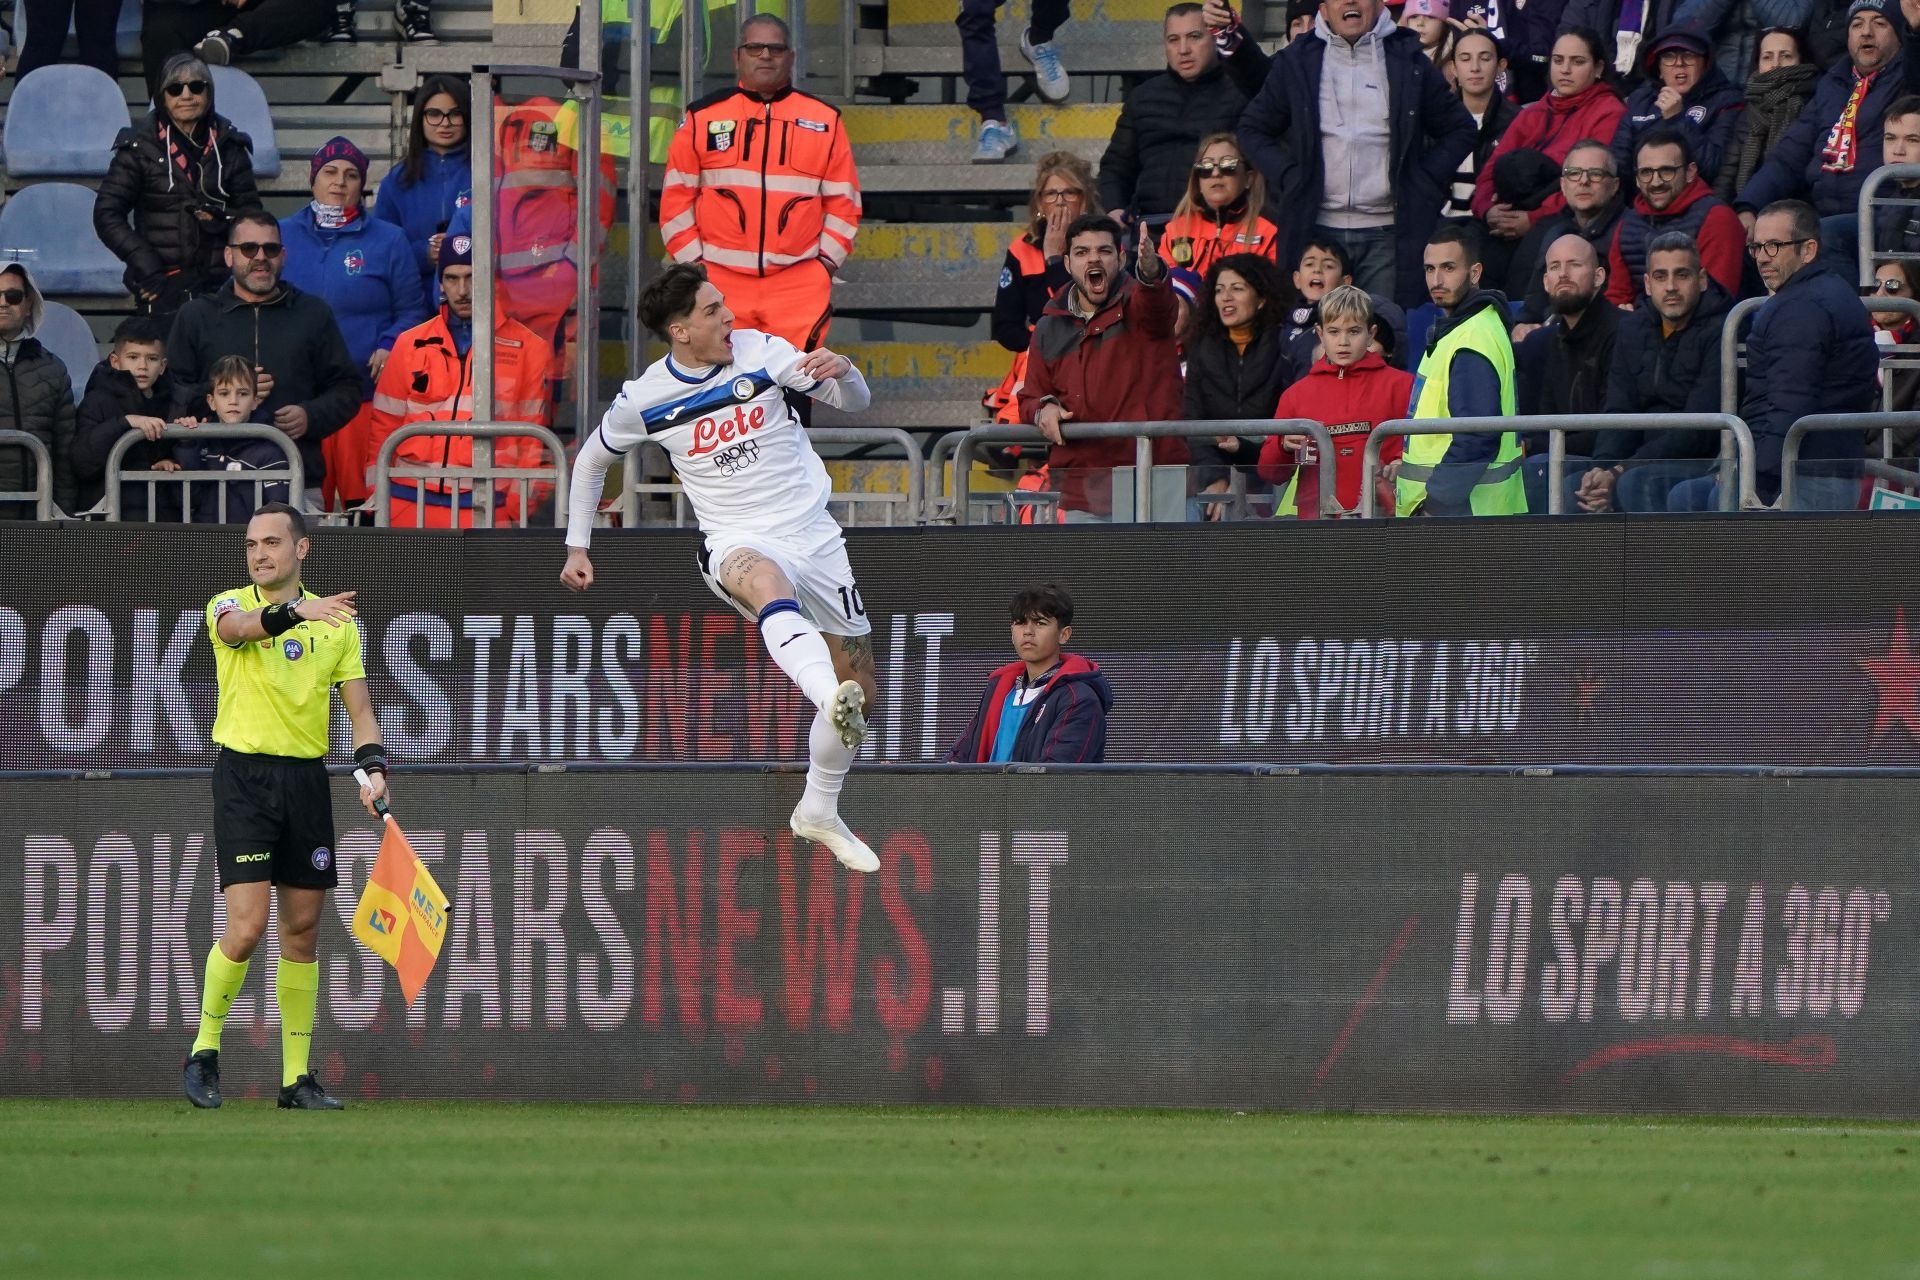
425, 208
366, 274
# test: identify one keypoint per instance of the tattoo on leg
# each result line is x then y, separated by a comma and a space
738, 568
859, 651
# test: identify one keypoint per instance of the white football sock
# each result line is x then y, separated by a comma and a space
800, 650
828, 760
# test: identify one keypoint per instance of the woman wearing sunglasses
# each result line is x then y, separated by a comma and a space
1221, 211
421, 192
176, 182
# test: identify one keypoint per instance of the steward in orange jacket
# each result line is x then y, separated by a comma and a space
429, 378
761, 189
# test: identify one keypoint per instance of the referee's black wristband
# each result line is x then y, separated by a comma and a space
372, 758
276, 618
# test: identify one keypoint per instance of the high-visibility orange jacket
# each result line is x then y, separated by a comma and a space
757, 186
427, 380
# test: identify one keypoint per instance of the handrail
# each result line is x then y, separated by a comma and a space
293, 475
630, 484
1825, 422
41, 495
1868, 190
1730, 352
484, 433
1557, 426
1142, 433
1730, 363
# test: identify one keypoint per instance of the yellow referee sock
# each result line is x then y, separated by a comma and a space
298, 986
224, 978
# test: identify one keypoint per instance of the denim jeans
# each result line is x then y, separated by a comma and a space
1811, 491
1370, 254
980, 50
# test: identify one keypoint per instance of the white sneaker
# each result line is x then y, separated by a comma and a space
998, 140
848, 849
1049, 74
848, 713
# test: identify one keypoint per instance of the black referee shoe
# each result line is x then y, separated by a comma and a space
305, 1094
201, 1077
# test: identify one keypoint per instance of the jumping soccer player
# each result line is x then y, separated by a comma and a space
716, 403
278, 652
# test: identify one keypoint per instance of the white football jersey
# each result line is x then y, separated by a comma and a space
738, 451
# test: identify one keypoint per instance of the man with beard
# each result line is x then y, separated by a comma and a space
1673, 197
1563, 365
1466, 372
1103, 352
308, 384
1590, 183
1666, 359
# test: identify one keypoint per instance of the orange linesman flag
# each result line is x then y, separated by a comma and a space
402, 916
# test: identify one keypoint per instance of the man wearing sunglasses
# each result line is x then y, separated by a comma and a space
308, 383
761, 190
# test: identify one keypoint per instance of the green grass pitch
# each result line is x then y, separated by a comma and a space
405, 1190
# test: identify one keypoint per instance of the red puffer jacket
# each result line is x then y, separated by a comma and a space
1552, 125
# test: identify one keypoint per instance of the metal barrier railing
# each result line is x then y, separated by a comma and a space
461, 479
293, 475
41, 495
1143, 434
1733, 350
913, 501
1557, 426
1869, 198
1884, 423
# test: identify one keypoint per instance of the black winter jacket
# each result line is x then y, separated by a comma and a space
1810, 350
145, 212
1162, 120
112, 397
1564, 371
1222, 384
36, 397
294, 337
1655, 372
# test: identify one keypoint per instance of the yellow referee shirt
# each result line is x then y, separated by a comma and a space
275, 694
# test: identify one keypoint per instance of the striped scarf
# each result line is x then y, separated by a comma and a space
1842, 151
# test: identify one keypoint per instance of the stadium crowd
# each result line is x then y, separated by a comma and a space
1542, 211
1401, 211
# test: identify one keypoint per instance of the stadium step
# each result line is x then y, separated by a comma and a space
931, 21
914, 266
921, 134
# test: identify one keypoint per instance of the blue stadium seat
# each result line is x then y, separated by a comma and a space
239, 97
62, 122
55, 221
64, 332
126, 34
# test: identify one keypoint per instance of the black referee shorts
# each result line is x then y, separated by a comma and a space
273, 820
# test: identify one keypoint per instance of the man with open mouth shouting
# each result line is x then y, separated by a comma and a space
1103, 352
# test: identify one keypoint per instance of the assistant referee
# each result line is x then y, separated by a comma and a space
278, 652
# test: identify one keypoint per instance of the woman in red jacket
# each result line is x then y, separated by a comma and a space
1350, 390
1581, 107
